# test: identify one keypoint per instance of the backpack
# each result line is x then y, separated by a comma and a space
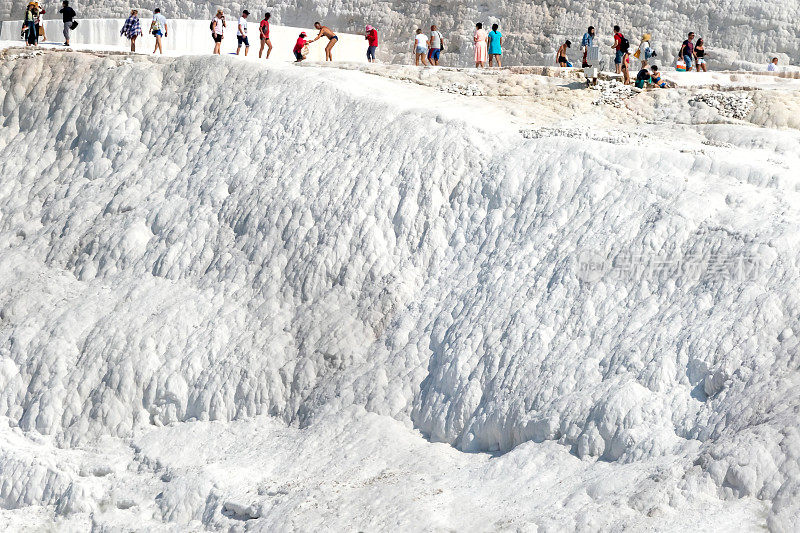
155, 26
211, 26
624, 44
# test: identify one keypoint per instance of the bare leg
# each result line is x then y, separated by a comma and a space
328, 54
269, 48
133, 43
261, 50
497, 58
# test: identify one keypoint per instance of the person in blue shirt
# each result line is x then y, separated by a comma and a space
586, 42
495, 45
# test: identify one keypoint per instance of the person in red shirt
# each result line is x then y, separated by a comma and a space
298, 47
618, 38
372, 43
263, 31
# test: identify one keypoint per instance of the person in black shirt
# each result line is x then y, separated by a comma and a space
68, 15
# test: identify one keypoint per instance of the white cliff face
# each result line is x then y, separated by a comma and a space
738, 33
197, 240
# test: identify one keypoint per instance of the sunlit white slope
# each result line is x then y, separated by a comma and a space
189, 239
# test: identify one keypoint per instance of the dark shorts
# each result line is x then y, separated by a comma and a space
371, 52
298, 56
242, 39
334, 38
158, 33
618, 57
433, 53
217, 38
562, 59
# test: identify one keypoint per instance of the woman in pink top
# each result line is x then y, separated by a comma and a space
481, 41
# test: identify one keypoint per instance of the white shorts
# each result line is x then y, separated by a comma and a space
422, 50
701, 61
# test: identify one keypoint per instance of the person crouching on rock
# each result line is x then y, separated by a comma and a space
299, 46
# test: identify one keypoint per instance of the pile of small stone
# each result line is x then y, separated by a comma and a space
576, 133
730, 105
612, 92
460, 88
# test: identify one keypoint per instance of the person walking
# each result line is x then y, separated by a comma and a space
495, 45
480, 39
325, 31
158, 27
700, 56
644, 52
420, 47
218, 31
371, 35
586, 43
241, 33
436, 46
132, 28
68, 17
263, 32
299, 46
687, 51
619, 40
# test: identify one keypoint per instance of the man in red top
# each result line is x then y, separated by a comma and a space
372, 43
298, 48
263, 30
618, 37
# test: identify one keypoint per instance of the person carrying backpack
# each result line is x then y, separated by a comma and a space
158, 27
621, 45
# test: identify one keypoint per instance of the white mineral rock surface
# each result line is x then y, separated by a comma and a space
237, 296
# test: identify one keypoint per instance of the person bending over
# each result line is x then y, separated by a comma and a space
325, 31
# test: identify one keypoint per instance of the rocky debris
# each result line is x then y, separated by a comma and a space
576, 133
612, 92
471, 89
730, 105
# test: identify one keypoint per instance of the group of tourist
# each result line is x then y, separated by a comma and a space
427, 47
33, 28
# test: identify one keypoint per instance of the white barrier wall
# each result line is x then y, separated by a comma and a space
194, 37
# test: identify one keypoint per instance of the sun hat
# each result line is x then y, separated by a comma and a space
369, 28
